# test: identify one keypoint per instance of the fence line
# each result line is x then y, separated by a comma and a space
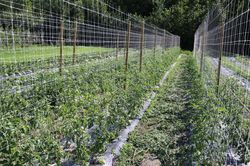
221, 47
63, 66
35, 28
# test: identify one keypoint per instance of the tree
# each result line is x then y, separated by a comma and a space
140, 7
181, 17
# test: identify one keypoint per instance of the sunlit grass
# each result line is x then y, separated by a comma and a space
45, 52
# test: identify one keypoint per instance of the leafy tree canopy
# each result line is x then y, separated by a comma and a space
181, 17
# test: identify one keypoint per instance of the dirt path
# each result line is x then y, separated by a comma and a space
164, 135
114, 148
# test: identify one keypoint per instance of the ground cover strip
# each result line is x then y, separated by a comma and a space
238, 67
164, 134
243, 59
229, 70
51, 121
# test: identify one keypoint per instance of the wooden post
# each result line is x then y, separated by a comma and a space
6, 39
155, 41
117, 45
74, 44
125, 41
202, 51
164, 42
141, 44
195, 40
61, 47
220, 56
127, 46
127, 49
12, 28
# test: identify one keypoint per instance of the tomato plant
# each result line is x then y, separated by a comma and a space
75, 115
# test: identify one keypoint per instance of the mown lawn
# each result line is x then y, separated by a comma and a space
45, 52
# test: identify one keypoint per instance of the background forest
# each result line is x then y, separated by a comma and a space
180, 17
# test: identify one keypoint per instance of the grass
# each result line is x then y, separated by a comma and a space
190, 124
165, 131
42, 58
45, 52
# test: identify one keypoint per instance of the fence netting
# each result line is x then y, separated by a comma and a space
63, 80
47, 35
222, 50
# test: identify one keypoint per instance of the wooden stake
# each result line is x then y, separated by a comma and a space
12, 28
127, 49
220, 57
61, 47
7, 40
164, 43
125, 41
74, 44
141, 45
202, 51
117, 45
155, 41
127, 46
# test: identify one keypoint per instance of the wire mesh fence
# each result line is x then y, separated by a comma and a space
50, 35
64, 87
222, 50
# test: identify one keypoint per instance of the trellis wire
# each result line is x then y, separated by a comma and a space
37, 31
40, 41
222, 42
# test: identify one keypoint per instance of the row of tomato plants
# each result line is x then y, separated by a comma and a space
34, 71
222, 121
77, 114
165, 132
191, 124
23, 80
